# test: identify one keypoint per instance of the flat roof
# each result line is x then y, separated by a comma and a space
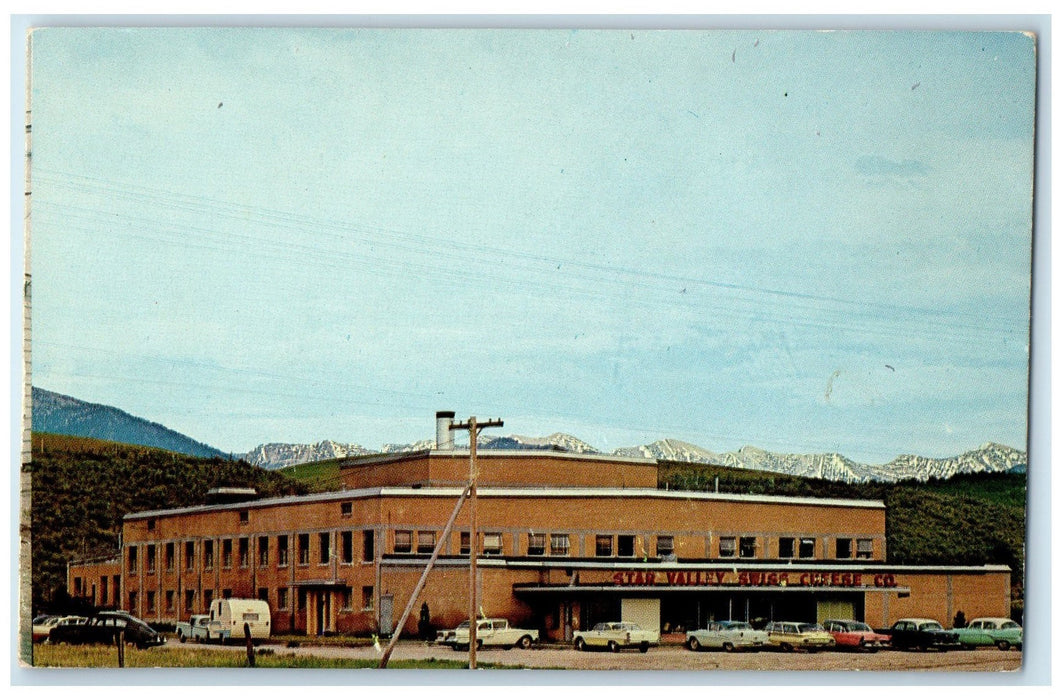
453, 492
390, 457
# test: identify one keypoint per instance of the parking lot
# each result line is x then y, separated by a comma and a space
678, 658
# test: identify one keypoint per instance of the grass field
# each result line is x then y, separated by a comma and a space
99, 656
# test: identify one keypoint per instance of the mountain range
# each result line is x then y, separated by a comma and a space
56, 413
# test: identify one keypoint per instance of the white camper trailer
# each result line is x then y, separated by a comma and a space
229, 615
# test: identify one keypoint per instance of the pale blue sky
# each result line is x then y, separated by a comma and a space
803, 241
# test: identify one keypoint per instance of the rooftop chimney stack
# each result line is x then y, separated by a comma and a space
444, 436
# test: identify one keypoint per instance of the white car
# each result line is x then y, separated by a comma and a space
615, 636
727, 635
491, 632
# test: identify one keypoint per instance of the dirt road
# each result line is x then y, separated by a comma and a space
679, 658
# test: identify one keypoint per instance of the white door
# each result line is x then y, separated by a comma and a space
645, 612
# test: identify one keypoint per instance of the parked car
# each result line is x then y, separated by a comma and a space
853, 634
103, 628
490, 632
615, 636
44, 624
986, 631
727, 635
922, 634
789, 636
196, 629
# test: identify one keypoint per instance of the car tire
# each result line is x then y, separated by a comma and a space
969, 647
613, 647
525, 642
580, 645
643, 647
692, 644
180, 637
1003, 645
786, 647
728, 647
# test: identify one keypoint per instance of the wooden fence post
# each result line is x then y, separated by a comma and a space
250, 645
121, 648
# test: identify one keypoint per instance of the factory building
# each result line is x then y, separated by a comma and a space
564, 541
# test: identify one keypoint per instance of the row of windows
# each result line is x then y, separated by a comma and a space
238, 551
608, 545
281, 599
266, 547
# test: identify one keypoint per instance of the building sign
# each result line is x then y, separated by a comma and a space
808, 579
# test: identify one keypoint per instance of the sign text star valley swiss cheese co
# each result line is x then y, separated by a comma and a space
753, 578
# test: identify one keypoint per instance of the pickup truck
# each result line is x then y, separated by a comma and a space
493, 632
195, 629
615, 636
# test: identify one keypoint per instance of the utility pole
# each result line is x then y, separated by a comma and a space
473, 427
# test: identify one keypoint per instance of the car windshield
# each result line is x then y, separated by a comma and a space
737, 626
930, 626
810, 627
1010, 626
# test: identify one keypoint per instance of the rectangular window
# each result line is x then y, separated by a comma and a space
492, 543
624, 545
786, 547
807, 547
263, 594
346, 549
245, 517
171, 602
346, 509
189, 599
208, 554
747, 547
325, 547
665, 545
208, 598
132, 560
151, 602
226, 592
226, 554
425, 542
302, 599
559, 546
368, 545
282, 598
132, 603
245, 552
282, 550
844, 548
604, 546
344, 598
403, 541
864, 549
151, 558
78, 586
103, 590
727, 546
536, 545
304, 549
466, 543
189, 556
263, 551
169, 557
366, 598
151, 524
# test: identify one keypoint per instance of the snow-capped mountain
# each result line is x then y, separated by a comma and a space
990, 457
277, 455
834, 467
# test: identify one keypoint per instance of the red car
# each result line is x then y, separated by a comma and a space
854, 635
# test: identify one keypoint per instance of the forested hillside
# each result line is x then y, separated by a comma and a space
82, 488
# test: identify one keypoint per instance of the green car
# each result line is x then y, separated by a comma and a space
988, 631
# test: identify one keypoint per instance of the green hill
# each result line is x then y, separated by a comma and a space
82, 487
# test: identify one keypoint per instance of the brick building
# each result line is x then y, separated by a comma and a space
565, 541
